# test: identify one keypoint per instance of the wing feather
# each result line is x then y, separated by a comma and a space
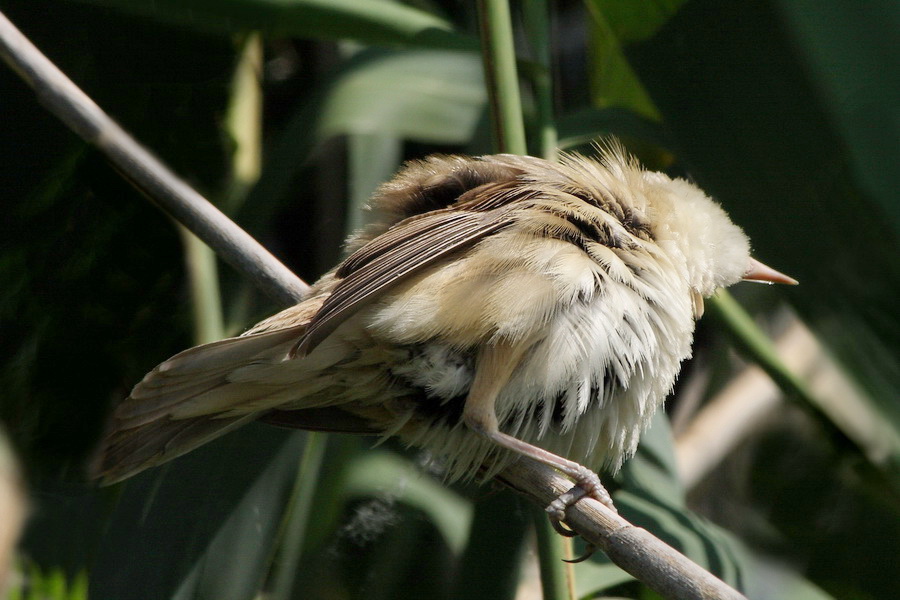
399, 253
437, 207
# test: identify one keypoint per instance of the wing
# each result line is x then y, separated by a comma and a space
409, 247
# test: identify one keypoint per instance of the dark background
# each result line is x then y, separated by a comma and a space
785, 111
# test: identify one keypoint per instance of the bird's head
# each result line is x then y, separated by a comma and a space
690, 224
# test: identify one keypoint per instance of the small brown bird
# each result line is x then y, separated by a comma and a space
497, 306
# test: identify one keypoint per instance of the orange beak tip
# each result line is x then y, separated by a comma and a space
757, 271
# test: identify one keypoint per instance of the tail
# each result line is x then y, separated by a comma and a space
193, 398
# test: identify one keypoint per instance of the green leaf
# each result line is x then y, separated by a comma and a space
379, 473
368, 21
219, 506
634, 21
597, 575
489, 567
583, 127
373, 158
422, 95
652, 497
854, 68
652, 471
426, 95
613, 82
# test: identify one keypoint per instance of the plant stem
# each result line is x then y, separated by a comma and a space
557, 577
203, 281
501, 77
298, 515
243, 122
537, 25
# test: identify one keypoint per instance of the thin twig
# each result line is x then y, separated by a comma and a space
632, 548
65, 100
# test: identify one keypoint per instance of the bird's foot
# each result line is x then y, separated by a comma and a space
587, 483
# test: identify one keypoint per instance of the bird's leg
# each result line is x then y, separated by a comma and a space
495, 365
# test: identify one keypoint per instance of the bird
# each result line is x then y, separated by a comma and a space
494, 307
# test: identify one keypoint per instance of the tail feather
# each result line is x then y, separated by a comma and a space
127, 452
234, 399
204, 367
191, 399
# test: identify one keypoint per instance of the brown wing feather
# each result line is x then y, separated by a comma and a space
406, 249
441, 205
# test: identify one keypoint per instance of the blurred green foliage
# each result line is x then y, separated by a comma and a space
785, 111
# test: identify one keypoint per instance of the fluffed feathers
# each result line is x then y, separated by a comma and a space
597, 265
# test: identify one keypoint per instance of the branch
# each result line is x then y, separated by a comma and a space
65, 100
635, 550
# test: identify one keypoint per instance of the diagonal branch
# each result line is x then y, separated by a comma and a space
71, 105
634, 549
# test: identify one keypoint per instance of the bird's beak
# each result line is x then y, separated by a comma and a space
756, 271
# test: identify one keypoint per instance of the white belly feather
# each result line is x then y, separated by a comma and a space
601, 361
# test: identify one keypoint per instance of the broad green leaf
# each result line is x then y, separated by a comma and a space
489, 567
585, 126
651, 496
425, 95
696, 538
373, 158
613, 82
379, 473
634, 21
369, 21
652, 471
219, 508
593, 577
854, 68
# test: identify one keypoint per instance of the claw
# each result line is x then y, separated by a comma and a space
589, 552
560, 528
